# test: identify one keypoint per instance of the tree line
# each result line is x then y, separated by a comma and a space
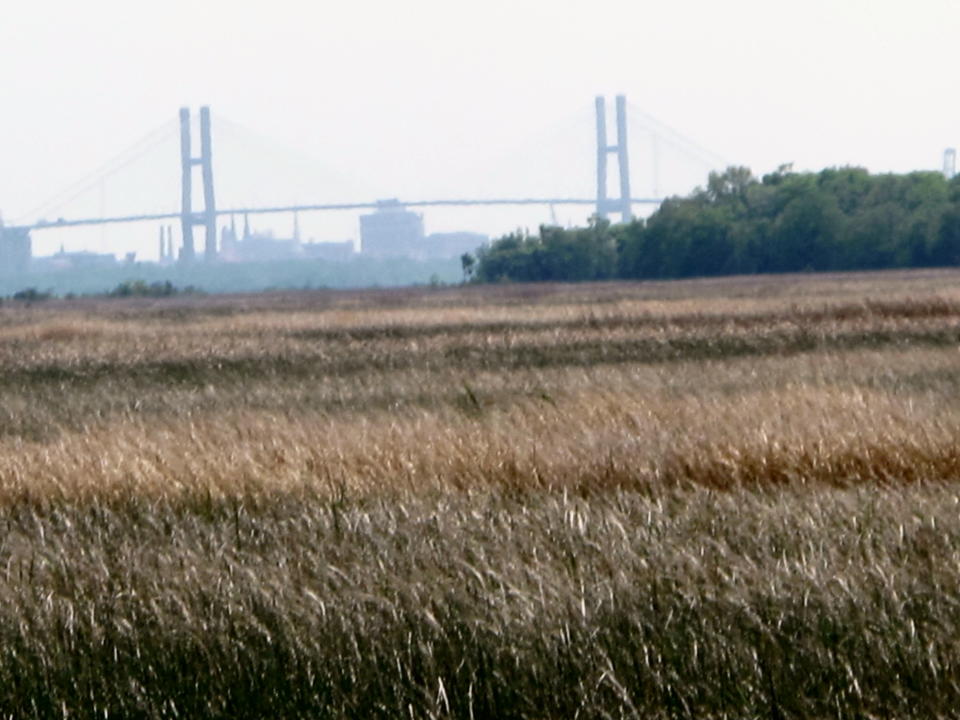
836, 219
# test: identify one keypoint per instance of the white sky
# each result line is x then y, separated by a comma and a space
430, 98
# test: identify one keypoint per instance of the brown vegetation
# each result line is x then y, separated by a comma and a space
728, 498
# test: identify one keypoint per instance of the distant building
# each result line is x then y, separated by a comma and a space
15, 249
256, 247
264, 247
80, 260
391, 231
394, 231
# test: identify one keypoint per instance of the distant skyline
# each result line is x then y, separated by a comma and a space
450, 99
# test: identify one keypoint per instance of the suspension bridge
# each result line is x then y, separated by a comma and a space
612, 145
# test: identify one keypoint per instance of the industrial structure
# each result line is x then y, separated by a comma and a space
391, 230
166, 255
77, 260
255, 247
15, 249
395, 231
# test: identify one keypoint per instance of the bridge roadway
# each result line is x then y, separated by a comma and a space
63, 222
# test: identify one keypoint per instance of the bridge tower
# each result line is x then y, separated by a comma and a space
208, 217
621, 204
949, 163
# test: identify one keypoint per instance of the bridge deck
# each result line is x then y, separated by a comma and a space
65, 222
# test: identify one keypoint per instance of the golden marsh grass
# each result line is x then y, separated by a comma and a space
724, 498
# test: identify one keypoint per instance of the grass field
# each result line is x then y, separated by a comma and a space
732, 498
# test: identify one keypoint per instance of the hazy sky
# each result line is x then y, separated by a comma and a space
366, 99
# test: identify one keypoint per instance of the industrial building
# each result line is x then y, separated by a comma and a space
256, 247
77, 260
391, 231
15, 249
263, 246
394, 231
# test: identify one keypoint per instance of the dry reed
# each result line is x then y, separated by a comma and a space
726, 498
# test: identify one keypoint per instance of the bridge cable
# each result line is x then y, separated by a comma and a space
280, 150
124, 159
689, 147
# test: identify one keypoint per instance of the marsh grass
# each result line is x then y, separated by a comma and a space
726, 498
521, 604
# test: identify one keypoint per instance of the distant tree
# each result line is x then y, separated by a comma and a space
139, 288
730, 186
504, 259
920, 234
875, 237
554, 254
849, 186
31, 294
469, 264
946, 249
806, 231
839, 218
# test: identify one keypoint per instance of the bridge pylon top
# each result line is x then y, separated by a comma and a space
208, 216
605, 204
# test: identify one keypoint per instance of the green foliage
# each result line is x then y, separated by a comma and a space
469, 264
31, 294
837, 219
555, 254
139, 288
